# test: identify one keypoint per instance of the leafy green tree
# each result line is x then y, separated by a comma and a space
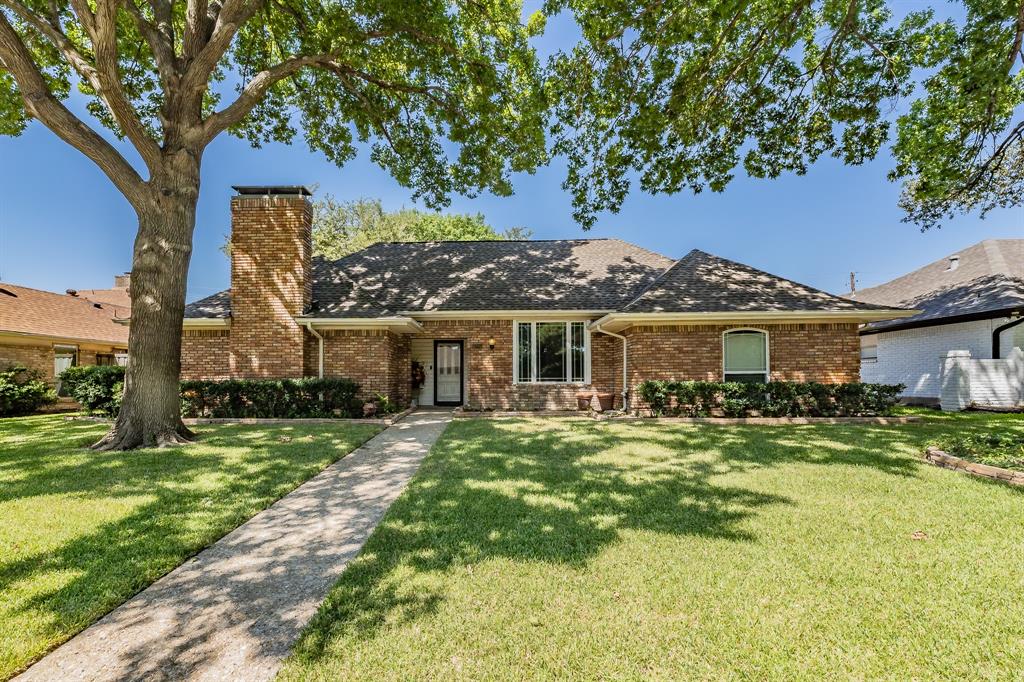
447, 95
344, 227
676, 95
341, 228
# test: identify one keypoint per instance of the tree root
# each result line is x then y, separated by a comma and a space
132, 436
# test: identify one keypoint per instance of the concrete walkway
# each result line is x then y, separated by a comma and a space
235, 610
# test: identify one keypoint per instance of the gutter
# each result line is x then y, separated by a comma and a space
998, 331
625, 358
320, 349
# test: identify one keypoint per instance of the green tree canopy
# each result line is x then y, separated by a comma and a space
344, 227
447, 97
341, 228
676, 95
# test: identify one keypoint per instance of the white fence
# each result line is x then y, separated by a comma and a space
968, 382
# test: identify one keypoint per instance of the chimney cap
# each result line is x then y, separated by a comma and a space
273, 190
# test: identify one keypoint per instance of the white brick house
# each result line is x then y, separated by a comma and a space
970, 301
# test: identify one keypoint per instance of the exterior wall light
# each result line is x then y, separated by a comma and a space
490, 343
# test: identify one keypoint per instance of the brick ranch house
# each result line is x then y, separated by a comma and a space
48, 332
505, 324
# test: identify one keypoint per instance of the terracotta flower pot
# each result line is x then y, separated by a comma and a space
583, 400
606, 401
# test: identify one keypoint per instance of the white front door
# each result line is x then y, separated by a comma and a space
448, 373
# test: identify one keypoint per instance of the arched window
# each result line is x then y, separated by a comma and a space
746, 355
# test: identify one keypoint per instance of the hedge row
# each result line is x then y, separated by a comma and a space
99, 389
271, 398
772, 399
23, 392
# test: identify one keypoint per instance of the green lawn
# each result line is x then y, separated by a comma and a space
581, 549
82, 531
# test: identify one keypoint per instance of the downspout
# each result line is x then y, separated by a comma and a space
998, 331
320, 349
625, 375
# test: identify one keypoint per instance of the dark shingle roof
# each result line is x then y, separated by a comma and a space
216, 306
702, 283
584, 274
335, 294
988, 277
600, 275
987, 294
989, 257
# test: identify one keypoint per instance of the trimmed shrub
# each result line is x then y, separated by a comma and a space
772, 399
271, 398
97, 388
23, 392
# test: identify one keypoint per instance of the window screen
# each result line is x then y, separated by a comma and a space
746, 356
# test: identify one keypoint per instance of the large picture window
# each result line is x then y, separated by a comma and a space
746, 355
551, 352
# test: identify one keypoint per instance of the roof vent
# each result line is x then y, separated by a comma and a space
97, 305
71, 292
8, 292
954, 263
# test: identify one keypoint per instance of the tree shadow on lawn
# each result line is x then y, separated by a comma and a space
187, 498
561, 491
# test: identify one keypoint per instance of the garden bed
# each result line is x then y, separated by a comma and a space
948, 461
993, 454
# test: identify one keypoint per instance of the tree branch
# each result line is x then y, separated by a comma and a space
106, 85
110, 87
231, 17
253, 92
160, 44
42, 105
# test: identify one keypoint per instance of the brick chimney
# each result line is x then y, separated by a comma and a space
271, 252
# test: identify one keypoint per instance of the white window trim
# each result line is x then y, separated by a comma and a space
568, 353
767, 373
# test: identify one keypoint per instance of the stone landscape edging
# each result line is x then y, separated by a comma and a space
948, 461
722, 421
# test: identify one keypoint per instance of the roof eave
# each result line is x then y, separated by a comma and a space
57, 338
205, 322
940, 321
504, 314
614, 322
392, 323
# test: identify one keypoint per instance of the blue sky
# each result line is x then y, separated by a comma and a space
62, 224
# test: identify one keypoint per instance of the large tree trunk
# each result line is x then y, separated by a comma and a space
151, 407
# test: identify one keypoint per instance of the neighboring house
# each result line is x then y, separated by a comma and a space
972, 300
115, 296
505, 324
48, 332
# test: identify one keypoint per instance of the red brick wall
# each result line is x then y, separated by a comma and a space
379, 360
36, 358
375, 358
489, 384
205, 354
270, 262
829, 353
